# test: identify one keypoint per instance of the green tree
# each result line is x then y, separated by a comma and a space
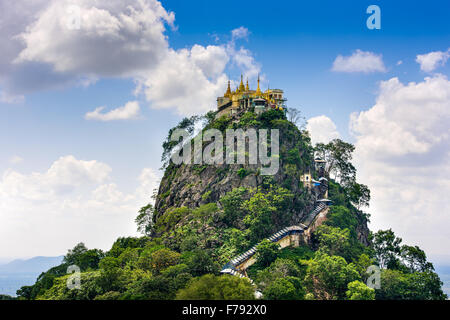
90, 288
232, 206
288, 288
267, 211
111, 275
122, 244
144, 220
397, 285
359, 291
281, 268
158, 260
333, 241
187, 124
266, 252
358, 194
362, 264
200, 262
83, 258
387, 248
415, 259
210, 287
295, 116
338, 155
25, 292
259, 217
327, 276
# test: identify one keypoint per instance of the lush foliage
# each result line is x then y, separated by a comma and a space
184, 247
210, 287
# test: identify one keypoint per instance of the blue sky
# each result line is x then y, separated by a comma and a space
48, 90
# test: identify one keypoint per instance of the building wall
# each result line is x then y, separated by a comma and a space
318, 220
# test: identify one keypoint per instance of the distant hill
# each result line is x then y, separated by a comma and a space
33, 265
18, 273
444, 274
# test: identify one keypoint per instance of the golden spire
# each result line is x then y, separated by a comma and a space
228, 93
241, 86
247, 88
258, 90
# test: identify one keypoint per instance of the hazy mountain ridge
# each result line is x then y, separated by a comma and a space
22, 272
34, 265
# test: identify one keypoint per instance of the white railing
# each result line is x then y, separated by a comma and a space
230, 267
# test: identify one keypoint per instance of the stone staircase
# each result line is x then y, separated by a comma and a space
231, 267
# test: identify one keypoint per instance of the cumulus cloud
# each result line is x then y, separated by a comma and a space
128, 111
64, 176
54, 46
42, 50
15, 80
74, 200
430, 61
403, 154
321, 129
189, 91
189, 80
359, 61
113, 38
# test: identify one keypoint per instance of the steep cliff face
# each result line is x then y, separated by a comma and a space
190, 202
194, 185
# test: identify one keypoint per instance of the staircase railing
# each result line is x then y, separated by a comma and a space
230, 267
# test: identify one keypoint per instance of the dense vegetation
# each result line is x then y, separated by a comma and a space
183, 248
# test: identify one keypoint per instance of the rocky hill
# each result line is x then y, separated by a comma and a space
212, 225
186, 188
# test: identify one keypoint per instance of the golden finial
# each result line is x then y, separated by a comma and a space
228, 93
258, 90
247, 88
241, 86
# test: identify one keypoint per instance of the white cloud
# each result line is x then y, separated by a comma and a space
430, 61
240, 33
321, 129
72, 201
242, 57
116, 39
15, 160
190, 80
403, 155
180, 81
64, 176
359, 61
211, 60
113, 39
128, 111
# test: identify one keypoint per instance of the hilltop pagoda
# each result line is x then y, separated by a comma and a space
243, 99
